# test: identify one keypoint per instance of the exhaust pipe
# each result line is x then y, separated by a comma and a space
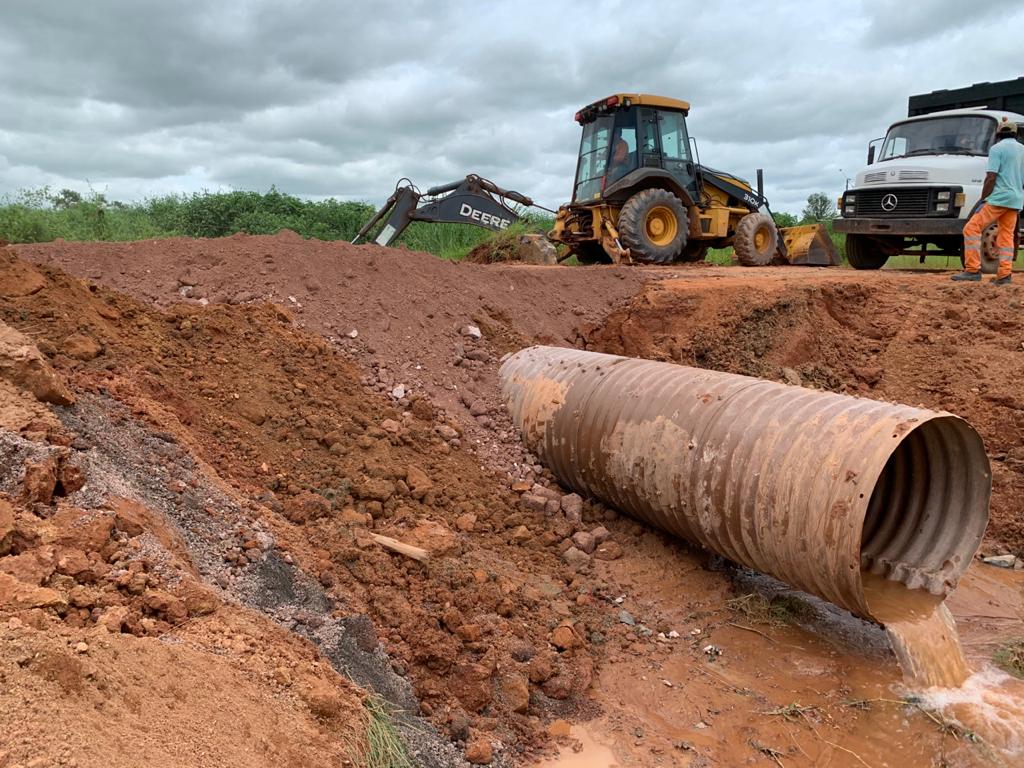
810, 487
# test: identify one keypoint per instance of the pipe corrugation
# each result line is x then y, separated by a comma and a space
810, 487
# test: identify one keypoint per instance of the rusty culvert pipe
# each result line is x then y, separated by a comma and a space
810, 487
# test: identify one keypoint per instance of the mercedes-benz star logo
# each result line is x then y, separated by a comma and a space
889, 202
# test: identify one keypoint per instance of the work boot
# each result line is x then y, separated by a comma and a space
1002, 280
969, 277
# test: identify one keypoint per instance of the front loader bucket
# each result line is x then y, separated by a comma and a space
810, 245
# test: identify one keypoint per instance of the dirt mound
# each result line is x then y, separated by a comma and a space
245, 430
403, 316
492, 631
124, 654
916, 340
525, 248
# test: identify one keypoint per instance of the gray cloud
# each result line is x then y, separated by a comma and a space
327, 99
897, 22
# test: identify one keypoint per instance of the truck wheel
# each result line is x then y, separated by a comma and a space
653, 226
756, 240
989, 250
862, 253
591, 253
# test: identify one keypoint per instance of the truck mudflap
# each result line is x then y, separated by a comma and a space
905, 227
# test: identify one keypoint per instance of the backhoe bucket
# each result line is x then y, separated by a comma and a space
809, 245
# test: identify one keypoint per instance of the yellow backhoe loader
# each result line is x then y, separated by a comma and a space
641, 195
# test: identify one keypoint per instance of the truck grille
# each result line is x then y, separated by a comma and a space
913, 175
909, 202
875, 177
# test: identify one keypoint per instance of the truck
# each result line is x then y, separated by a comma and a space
923, 179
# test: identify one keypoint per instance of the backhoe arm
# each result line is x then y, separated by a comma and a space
471, 200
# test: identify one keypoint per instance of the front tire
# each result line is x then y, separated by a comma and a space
863, 253
756, 240
653, 226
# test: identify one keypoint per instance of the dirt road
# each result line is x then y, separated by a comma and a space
364, 402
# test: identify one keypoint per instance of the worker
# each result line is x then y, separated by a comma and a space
1003, 197
622, 160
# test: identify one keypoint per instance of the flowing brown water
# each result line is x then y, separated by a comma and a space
989, 703
922, 632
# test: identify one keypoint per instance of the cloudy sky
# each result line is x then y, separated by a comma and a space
137, 97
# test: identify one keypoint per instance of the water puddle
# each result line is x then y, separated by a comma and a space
586, 752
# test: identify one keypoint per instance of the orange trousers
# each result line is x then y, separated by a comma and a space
1007, 222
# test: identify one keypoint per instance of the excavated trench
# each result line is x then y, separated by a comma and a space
927, 509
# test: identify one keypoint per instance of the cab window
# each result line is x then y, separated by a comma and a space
674, 143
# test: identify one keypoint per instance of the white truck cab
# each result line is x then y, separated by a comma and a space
922, 182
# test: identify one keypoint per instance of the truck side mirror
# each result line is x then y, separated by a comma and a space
873, 146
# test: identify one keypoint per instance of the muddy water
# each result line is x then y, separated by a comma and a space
922, 632
585, 752
988, 703
717, 709
991, 704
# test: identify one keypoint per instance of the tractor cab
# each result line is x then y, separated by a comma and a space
630, 138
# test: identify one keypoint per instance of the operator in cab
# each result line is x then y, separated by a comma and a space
623, 161
1003, 198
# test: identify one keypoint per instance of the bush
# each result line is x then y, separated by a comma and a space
36, 216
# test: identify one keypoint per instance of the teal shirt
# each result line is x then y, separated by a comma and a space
1006, 161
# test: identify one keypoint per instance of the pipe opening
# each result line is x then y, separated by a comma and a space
928, 509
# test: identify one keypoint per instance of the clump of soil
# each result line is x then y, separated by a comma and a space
514, 246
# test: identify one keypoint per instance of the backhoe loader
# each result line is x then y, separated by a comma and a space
641, 196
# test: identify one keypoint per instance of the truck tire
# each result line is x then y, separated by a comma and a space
862, 253
756, 240
591, 252
989, 250
653, 226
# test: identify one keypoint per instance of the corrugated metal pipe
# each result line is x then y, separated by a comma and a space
808, 486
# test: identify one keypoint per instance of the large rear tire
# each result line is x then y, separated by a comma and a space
756, 240
653, 226
863, 253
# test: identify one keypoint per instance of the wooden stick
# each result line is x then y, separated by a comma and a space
751, 629
416, 553
847, 751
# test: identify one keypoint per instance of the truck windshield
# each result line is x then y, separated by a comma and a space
967, 135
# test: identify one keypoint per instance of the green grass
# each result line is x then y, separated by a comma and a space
36, 216
41, 215
1010, 657
936, 262
385, 747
